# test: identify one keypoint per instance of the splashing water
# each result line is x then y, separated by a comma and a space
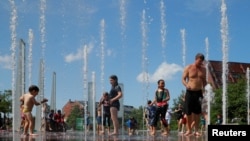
31, 37
163, 28
224, 37
183, 40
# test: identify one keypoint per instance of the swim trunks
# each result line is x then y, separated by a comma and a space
25, 110
193, 102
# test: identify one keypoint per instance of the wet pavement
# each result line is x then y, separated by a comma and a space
80, 136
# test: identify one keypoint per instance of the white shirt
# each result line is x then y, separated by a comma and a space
168, 114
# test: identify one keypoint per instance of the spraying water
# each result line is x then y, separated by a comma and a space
183, 39
123, 28
209, 90
207, 53
144, 53
13, 24
144, 49
144, 57
94, 99
42, 25
209, 97
163, 28
41, 93
31, 37
123, 17
102, 36
224, 37
102, 59
42, 64
85, 85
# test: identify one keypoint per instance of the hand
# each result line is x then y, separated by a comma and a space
110, 101
188, 87
44, 100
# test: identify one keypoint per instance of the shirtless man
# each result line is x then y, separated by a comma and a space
194, 79
29, 101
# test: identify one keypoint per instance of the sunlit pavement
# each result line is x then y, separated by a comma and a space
80, 136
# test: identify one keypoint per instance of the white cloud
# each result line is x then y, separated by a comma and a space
5, 61
79, 54
164, 71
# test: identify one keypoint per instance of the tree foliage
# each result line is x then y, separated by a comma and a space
75, 113
6, 101
236, 102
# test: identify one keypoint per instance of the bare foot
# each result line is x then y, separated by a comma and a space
112, 134
24, 135
102, 132
152, 133
188, 134
197, 134
164, 133
32, 134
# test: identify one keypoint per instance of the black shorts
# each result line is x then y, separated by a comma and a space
116, 104
193, 102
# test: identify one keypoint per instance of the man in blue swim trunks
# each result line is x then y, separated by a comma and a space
194, 79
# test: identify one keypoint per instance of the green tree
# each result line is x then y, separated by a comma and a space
137, 114
6, 102
176, 102
236, 102
75, 113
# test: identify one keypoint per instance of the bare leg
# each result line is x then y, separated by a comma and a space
29, 123
189, 123
179, 124
153, 130
114, 112
196, 124
26, 127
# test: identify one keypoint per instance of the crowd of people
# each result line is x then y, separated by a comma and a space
189, 116
157, 111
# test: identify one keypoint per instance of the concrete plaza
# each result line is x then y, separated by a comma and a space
80, 136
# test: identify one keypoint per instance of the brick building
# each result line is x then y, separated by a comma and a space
67, 108
236, 70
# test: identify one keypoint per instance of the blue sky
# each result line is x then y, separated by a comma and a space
117, 35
